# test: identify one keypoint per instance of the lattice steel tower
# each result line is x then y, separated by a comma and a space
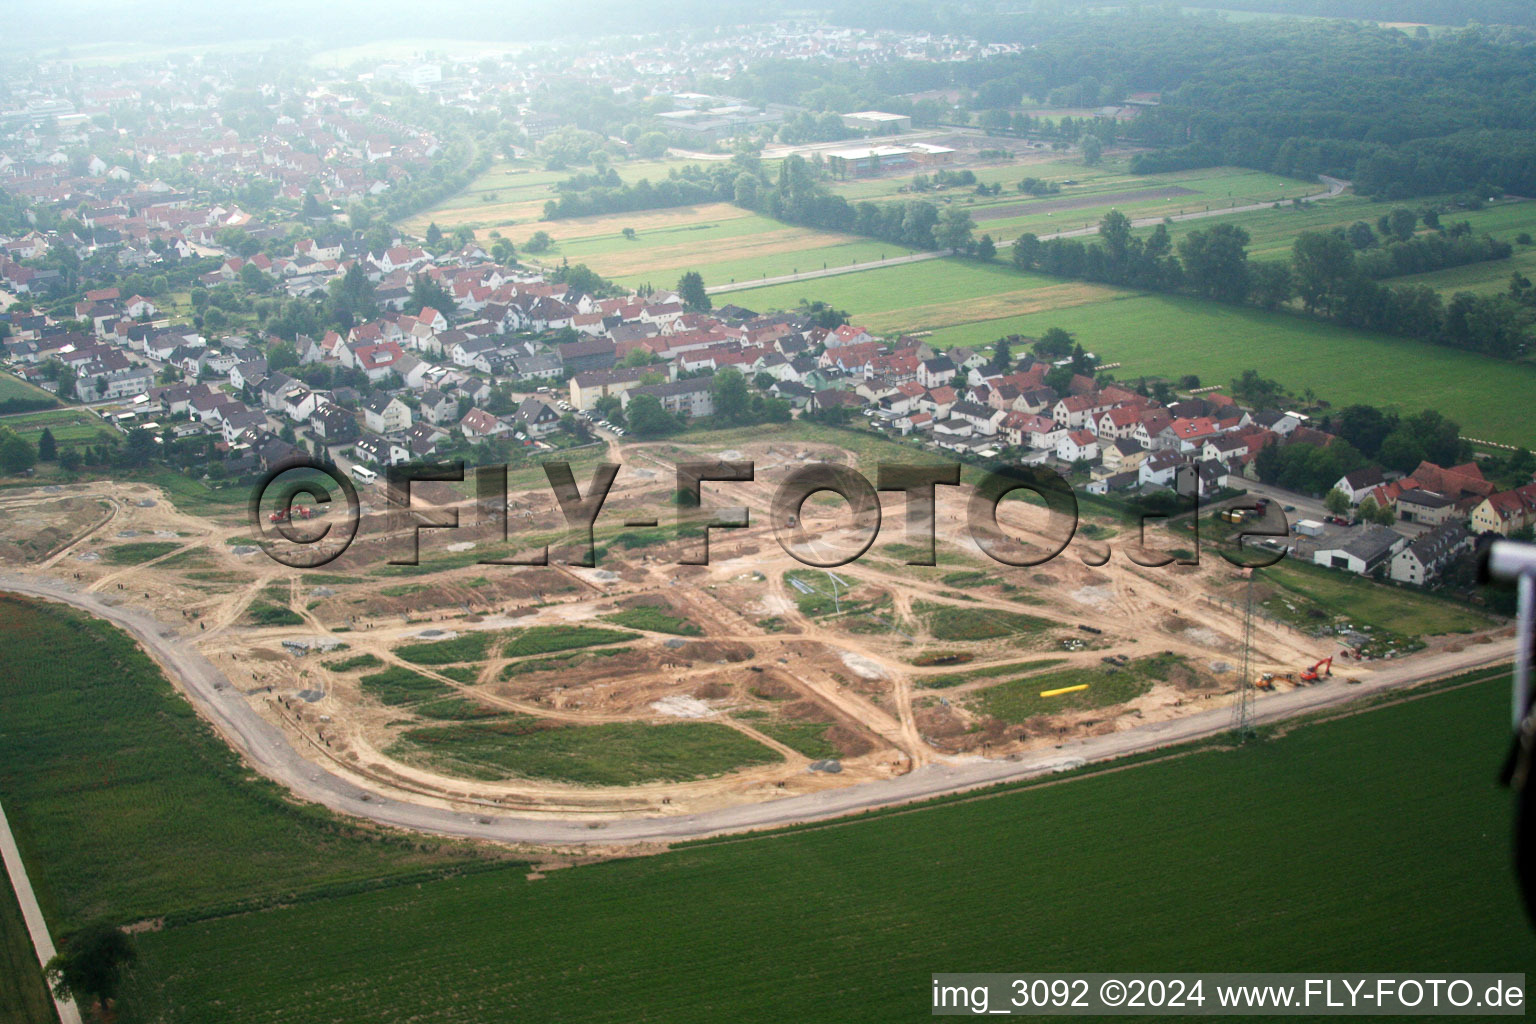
1242, 708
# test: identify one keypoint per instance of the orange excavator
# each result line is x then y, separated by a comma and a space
1311, 675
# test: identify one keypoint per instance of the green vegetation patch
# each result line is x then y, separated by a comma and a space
548, 639
1311, 596
1020, 700
398, 685
355, 662
139, 551
457, 709
127, 806
1418, 872
609, 754
986, 672
808, 738
951, 624
271, 607
558, 662
654, 618
464, 647
24, 996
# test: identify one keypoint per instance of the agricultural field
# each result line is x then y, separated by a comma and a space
514, 193
127, 806
16, 388
1110, 187
724, 243
1398, 801
24, 995
71, 428
1165, 335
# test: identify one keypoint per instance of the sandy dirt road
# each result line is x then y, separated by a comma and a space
271, 752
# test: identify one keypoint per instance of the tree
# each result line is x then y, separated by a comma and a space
434, 235
986, 249
691, 288
1336, 501
1401, 223
732, 401
427, 292
47, 447
1216, 262
1002, 356
282, 356
1360, 235
16, 454
1053, 344
1322, 264
953, 230
1093, 150
540, 241
647, 418
1256, 391
1272, 284
351, 299
629, 234
89, 969
312, 210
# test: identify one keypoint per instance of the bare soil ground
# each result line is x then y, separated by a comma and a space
760, 664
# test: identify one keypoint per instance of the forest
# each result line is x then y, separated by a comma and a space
1399, 113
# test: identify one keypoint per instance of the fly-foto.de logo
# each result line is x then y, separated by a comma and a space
297, 515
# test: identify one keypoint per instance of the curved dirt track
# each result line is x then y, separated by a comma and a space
270, 752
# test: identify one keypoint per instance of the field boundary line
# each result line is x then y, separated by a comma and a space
37, 927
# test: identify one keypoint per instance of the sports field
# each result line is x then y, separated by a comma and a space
1377, 841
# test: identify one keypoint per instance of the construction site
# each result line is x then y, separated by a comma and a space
646, 686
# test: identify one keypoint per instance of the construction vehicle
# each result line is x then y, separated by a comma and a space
1265, 681
1311, 675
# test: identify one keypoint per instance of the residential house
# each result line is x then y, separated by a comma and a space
686, 397
537, 418
386, 414
1424, 558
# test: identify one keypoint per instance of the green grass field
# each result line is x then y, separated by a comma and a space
139, 551
654, 619
1173, 335
1022, 699
70, 427
1342, 596
127, 807
1376, 841
607, 754
23, 993
16, 388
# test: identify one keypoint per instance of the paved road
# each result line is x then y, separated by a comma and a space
32, 914
269, 751
1335, 186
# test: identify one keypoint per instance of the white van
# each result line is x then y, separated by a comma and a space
364, 475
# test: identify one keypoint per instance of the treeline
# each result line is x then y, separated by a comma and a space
1363, 435
798, 197
1331, 272
588, 194
1399, 113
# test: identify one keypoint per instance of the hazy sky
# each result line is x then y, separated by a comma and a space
339, 22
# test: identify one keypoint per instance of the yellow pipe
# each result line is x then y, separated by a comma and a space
1064, 689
